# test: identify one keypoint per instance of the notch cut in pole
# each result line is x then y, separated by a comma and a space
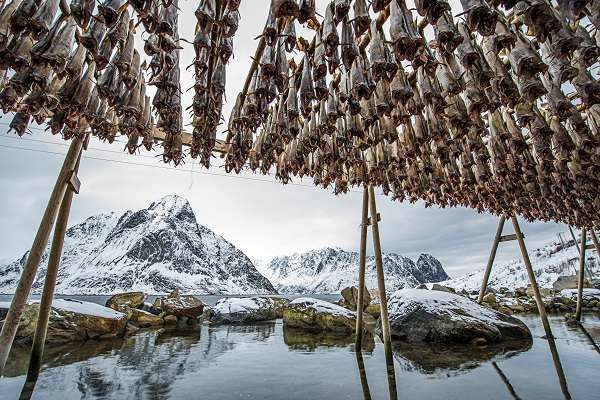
488, 268
532, 281
580, 275
11, 322
361, 269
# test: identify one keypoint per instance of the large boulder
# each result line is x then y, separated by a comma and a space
180, 305
436, 316
4, 306
318, 315
231, 310
123, 301
350, 298
569, 282
144, 319
73, 320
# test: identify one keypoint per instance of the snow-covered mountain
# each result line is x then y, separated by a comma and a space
549, 262
329, 270
154, 250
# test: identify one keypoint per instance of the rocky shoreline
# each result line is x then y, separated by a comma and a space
425, 314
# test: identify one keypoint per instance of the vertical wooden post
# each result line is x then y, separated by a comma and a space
385, 322
562, 380
362, 373
580, 276
361, 269
39, 338
536, 290
488, 268
11, 322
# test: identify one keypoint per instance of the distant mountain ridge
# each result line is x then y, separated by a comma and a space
154, 250
548, 262
330, 269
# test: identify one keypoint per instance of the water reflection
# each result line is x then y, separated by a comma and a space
302, 340
562, 380
450, 360
145, 365
362, 373
506, 381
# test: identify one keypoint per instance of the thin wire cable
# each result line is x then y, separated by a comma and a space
248, 178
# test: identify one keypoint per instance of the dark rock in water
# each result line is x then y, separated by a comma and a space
453, 359
180, 305
4, 309
72, 320
435, 316
350, 298
123, 301
318, 315
233, 310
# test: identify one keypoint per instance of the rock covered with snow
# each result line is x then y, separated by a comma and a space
436, 316
123, 301
246, 309
331, 269
318, 315
180, 305
72, 320
153, 250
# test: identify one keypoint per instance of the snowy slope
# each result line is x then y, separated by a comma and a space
154, 250
329, 270
548, 263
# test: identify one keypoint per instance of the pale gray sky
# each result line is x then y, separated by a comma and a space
264, 219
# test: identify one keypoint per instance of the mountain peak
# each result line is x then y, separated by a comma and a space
330, 269
154, 250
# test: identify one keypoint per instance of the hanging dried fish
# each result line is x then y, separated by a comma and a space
587, 51
230, 21
82, 11
446, 34
405, 38
42, 19
329, 35
306, 11
109, 11
284, 8
480, 17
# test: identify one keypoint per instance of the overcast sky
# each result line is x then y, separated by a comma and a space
263, 218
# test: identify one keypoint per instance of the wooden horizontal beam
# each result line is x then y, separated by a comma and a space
508, 238
186, 139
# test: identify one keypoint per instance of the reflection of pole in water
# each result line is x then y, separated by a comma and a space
363, 375
590, 338
509, 386
391, 373
562, 380
27, 391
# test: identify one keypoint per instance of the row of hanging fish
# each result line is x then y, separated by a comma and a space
72, 70
477, 117
216, 24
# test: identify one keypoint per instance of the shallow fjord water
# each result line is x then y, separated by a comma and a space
267, 361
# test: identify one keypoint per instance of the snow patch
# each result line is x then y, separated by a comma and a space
87, 308
322, 306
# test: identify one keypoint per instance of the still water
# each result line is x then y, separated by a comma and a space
268, 361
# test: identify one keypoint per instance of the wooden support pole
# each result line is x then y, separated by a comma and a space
361, 269
364, 383
11, 322
580, 276
536, 290
488, 268
39, 338
385, 322
579, 251
562, 380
